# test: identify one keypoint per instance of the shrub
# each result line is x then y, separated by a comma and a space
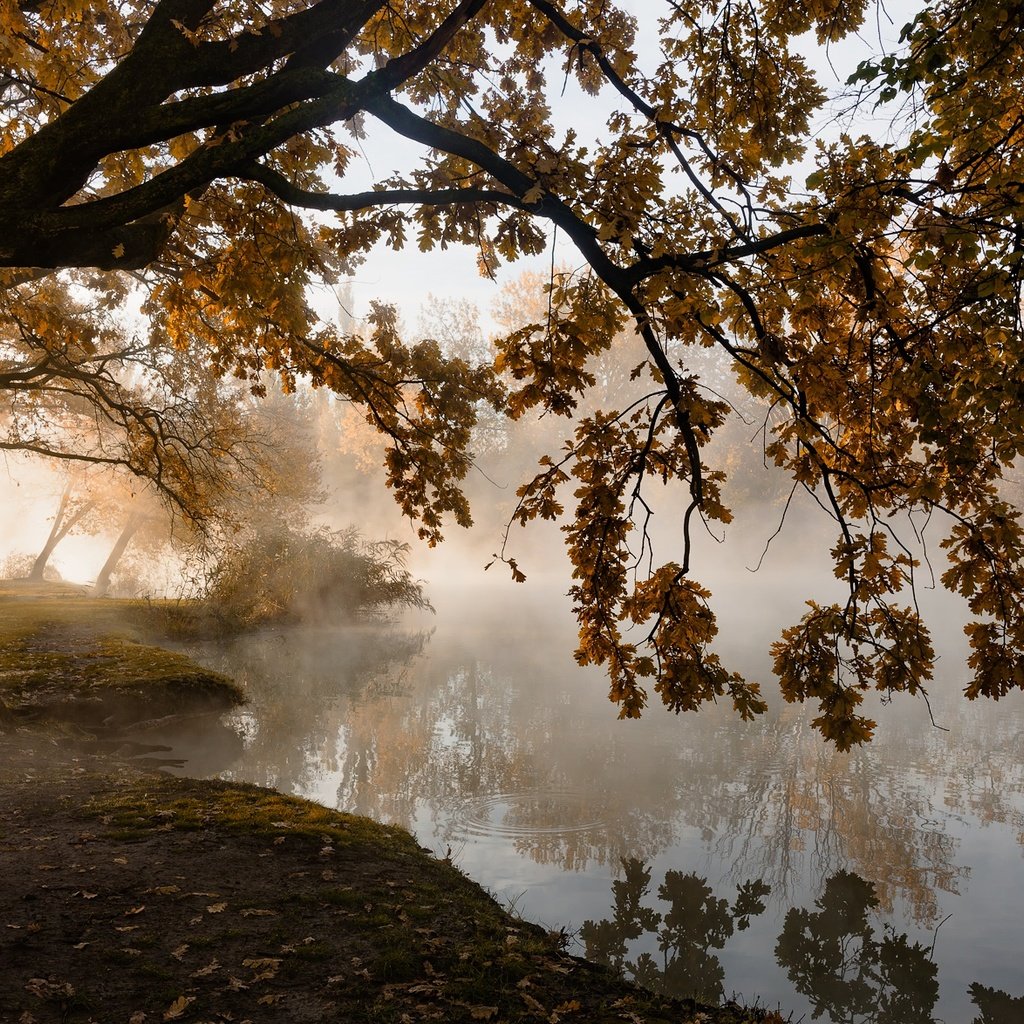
281, 576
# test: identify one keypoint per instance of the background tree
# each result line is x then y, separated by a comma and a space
71, 509
147, 533
876, 307
81, 387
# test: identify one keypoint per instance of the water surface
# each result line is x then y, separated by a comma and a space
701, 854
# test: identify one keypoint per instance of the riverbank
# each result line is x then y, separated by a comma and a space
129, 895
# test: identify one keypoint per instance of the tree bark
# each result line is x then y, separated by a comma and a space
61, 528
131, 527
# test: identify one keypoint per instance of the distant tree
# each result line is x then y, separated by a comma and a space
262, 557
173, 146
285, 575
71, 510
82, 389
136, 519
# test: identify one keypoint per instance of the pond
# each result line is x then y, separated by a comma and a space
703, 855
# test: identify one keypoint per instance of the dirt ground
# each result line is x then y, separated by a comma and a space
134, 897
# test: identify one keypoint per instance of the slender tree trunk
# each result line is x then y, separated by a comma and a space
39, 565
61, 528
131, 527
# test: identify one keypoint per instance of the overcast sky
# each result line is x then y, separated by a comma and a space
407, 278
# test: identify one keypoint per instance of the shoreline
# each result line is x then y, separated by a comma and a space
132, 895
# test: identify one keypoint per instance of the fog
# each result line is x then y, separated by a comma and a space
476, 729
472, 724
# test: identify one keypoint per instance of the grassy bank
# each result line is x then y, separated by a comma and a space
69, 659
132, 896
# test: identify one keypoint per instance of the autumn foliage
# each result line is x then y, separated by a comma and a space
198, 152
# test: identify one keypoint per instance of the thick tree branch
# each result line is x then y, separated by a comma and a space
281, 187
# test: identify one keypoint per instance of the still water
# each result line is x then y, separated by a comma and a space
703, 855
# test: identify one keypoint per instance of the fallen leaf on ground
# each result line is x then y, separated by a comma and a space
532, 1003
46, 988
216, 908
178, 1007
135, 910
264, 966
483, 1012
252, 912
205, 972
569, 1006
180, 952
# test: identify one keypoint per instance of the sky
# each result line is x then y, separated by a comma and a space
407, 278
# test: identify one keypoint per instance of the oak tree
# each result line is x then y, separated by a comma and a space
200, 149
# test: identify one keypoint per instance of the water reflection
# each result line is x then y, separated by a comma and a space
996, 1006
486, 739
850, 969
303, 685
851, 972
695, 922
374, 722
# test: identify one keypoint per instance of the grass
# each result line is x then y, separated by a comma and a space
163, 803
65, 657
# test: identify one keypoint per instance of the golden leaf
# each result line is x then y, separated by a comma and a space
178, 1007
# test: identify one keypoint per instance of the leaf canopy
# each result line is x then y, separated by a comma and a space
199, 150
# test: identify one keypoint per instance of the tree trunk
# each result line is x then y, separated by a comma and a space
131, 527
61, 528
39, 565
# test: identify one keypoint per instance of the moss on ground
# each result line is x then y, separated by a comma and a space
130, 894
67, 658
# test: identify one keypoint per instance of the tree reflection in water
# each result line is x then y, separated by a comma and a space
851, 974
483, 741
996, 1006
849, 971
695, 923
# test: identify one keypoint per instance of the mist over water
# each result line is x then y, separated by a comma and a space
476, 729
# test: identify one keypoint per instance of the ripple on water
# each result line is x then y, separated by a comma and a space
528, 813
